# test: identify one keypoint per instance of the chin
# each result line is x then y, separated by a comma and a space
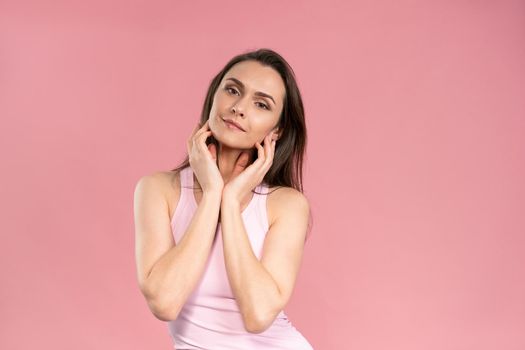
233, 142
230, 143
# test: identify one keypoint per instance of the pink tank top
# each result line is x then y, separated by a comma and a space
210, 318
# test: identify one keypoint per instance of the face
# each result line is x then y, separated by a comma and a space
251, 95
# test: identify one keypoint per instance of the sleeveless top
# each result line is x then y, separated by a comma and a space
211, 319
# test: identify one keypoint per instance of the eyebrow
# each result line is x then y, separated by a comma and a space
258, 93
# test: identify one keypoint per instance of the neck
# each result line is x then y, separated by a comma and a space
226, 160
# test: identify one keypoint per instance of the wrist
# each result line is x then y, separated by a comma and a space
230, 202
212, 194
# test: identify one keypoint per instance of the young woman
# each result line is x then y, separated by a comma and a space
219, 239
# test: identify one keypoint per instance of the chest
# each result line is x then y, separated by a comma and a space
174, 194
214, 281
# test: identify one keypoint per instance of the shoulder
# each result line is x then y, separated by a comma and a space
159, 183
284, 201
157, 180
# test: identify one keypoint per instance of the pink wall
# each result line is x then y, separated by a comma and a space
415, 167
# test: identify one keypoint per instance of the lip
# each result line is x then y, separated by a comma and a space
234, 124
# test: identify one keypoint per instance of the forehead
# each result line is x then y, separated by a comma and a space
258, 77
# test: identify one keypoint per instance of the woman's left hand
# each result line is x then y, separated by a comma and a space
244, 179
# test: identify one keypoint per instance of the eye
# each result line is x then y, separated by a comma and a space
229, 89
264, 105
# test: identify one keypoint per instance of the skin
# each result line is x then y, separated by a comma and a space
257, 115
261, 288
226, 176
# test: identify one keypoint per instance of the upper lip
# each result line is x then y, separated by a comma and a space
234, 123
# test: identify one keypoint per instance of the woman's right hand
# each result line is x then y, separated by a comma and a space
202, 159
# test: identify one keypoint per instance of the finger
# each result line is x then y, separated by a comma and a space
273, 143
269, 145
268, 150
200, 140
260, 154
204, 131
271, 157
189, 140
203, 128
213, 151
263, 166
197, 127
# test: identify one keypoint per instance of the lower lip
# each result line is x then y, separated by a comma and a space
231, 126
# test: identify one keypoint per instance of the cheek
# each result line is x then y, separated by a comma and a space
215, 123
220, 100
261, 134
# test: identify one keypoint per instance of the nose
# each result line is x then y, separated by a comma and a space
238, 109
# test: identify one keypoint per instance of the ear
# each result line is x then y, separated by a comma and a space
279, 133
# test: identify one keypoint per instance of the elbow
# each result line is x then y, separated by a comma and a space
162, 309
257, 324
163, 312
256, 327
258, 319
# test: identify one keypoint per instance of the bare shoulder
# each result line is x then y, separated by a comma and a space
167, 182
285, 200
164, 179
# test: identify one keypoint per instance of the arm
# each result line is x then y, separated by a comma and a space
167, 273
263, 288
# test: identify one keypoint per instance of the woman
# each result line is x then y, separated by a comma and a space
215, 259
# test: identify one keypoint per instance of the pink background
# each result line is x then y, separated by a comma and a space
415, 165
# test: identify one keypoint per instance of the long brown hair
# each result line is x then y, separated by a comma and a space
287, 165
